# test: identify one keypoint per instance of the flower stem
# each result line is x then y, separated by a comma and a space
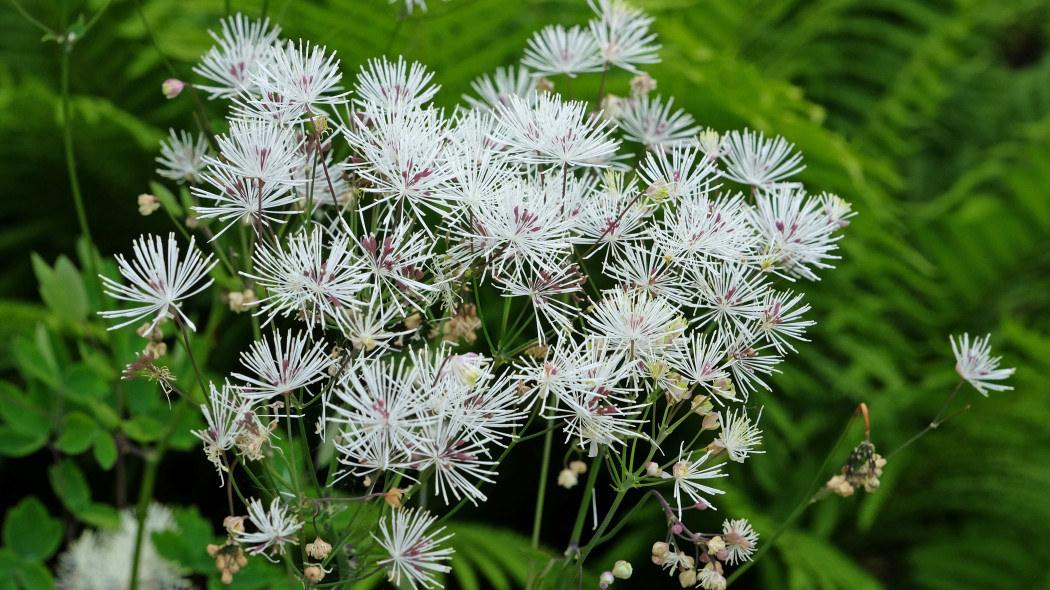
541, 493
807, 499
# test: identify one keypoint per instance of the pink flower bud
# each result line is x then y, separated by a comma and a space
172, 87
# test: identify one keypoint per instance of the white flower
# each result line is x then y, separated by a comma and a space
302, 279
975, 364
687, 476
244, 199
101, 560
303, 76
700, 359
679, 176
745, 363
393, 87
182, 157
274, 529
158, 280
782, 319
752, 159
636, 324
740, 540
283, 368
542, 290
498, 89
259, 150
738, 435
415, 554
651, 123
795, 233
555, 50
622, 34
222, 413
447, 447
243, 46
544, 129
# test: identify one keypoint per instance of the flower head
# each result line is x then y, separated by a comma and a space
274, 528
182, 156
975, 364
687, 476
243, 47
158, 280
740, 540
415, 554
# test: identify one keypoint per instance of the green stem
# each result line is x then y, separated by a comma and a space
541, 493
149, 479
807, 499
581, 514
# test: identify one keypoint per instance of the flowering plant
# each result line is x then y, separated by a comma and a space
427, 291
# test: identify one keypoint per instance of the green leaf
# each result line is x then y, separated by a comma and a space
17, 444
30, 532
34, 576
78, 433
105, 450
99, 515
104, 413
36, 363
142, 428
24, 412
70, 485
62, 288
82, 383
167, 199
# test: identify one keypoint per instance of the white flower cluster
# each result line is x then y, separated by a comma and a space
372, 212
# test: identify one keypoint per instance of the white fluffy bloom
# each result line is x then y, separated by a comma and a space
688, 476
182, 157
544, 129
498, 89
274, 529
975, 364
393, 87
794, 233
636, 324
158, 281
243, 47
680, 175
622, 34
283, 367
222, 413
244, 199
101, 560
651, 123
306, 79
414, 553
752, 159
557, 50
738, 435
740, 540
302, 279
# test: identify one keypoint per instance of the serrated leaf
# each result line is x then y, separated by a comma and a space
17, 444
78, 433
142, 428
34, 576
69, 484
30, 532
105, 450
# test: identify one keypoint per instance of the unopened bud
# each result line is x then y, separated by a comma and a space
567, 478
642, 84
393, 497
715, 545
172, 87
234, 524
687, 578
622, 570
653, 469
314, 573
148, 204
578, 467
605, 579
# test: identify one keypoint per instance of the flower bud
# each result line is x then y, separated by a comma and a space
314, 573
172, 87
622, 570
578, 467
653, 469
605, 579
567, 478
148, 204
642, 84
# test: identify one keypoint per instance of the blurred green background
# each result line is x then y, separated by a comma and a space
931, 116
